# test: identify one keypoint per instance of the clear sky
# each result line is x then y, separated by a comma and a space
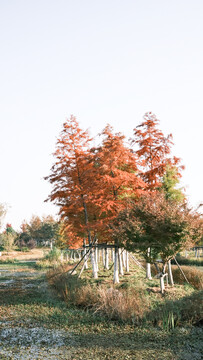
105, 61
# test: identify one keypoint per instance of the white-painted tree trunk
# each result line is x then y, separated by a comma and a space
94, 267
106, 266
96, 258
148, 267
170, 274
99, 255
51, 244
124, 258
120, 262
74, 255
112, 255
115, 275
85, 259
103, 257
127, 261
162, 286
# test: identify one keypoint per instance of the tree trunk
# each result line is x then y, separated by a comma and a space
103, 257
124, 258
85, 258
61, 256
106, 259
162, 283
94, 267
96, 257
127, 261
170, 274
120, 262
115, 275
148, 267
112, 255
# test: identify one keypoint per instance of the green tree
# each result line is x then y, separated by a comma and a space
170, 182
163, 225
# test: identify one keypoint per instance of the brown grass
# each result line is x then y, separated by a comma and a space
123, 304
193, 274
34, 254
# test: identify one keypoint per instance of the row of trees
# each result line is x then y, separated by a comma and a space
109, 192
37, 232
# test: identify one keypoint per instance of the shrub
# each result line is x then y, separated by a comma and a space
31, 244
53, 255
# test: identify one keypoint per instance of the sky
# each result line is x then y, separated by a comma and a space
104, 61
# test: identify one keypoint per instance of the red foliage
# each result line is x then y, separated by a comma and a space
154, 150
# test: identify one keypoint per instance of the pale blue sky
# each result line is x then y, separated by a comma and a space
105, 62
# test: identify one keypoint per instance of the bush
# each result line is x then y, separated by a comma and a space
31, 244
53, 255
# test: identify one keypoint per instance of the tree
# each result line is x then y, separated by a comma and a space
170, 181
69, 177
154, 150
163, 225
114, 182
115, 177
2, 213
8, 238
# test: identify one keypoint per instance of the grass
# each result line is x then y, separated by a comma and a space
74, 331
134, 300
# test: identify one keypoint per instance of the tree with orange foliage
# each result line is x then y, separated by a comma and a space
115, 181
116, 176
154, 151
69, 177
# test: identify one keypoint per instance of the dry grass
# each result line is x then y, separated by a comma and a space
117, 304
34, 254
193, 274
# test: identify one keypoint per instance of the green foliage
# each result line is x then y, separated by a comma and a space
159, 224
170, 181
7, 240
53, 255
2, 213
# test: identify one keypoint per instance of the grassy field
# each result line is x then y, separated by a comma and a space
35, 323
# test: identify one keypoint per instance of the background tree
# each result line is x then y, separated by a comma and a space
2, 213
8, 238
